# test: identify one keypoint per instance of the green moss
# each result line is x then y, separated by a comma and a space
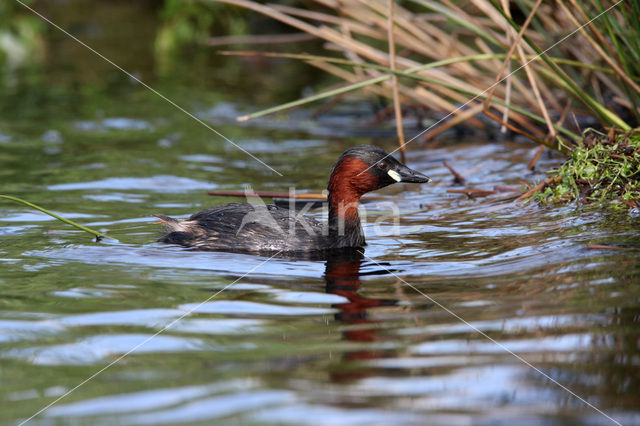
603, 169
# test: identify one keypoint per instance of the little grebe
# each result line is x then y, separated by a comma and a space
243, 227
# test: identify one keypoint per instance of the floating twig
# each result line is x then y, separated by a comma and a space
501, 188
268, 194
536, 157
285, 195
605, 246
457, 177
472, 193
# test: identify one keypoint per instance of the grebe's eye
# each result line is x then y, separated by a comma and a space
383, 165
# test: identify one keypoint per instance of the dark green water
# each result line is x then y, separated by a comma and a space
280, 341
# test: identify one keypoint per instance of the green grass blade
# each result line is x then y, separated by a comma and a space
314, 98
97, 234
409, 73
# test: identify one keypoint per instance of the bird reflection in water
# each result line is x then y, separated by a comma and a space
342, 276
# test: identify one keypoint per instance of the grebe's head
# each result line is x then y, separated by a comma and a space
365, 168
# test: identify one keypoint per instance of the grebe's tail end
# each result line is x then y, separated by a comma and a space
171, 224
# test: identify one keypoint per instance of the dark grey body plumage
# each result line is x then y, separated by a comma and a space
221, 228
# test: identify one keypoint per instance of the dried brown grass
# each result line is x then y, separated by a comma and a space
486, 62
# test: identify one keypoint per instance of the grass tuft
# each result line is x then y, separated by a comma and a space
603, 169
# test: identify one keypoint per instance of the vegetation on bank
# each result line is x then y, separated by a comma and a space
536, 68
545, 70
523, 65
602, 168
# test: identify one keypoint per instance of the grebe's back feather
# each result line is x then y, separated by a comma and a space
243, 227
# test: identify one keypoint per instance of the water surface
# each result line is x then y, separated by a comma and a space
389, 338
